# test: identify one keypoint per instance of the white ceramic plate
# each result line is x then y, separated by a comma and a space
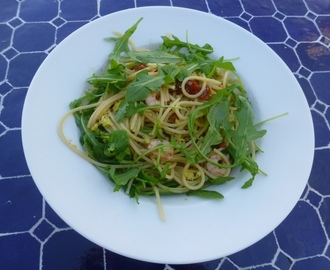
195, 229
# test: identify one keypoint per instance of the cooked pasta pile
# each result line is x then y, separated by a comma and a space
166, 121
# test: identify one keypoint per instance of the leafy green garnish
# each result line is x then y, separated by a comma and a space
121, 43
140, 87
157, 57
209, 194
175, 60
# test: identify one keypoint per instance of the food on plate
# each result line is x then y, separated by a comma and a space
169, 120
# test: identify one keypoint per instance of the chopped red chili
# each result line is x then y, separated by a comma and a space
206, 95
140, 66
192, 87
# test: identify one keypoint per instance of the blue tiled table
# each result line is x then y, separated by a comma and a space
32, 236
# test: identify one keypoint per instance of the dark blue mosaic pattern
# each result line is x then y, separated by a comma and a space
32, 236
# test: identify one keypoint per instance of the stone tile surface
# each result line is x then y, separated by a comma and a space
33, 236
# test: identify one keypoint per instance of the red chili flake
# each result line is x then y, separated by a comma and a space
206, 95
139, 67
223, 145
192, 87
173, 117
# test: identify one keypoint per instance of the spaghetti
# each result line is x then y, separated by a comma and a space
167, 121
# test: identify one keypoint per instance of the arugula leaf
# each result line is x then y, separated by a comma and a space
120, 177
217, 114
109, 77
121, 43
116, 144
177, 44
209, 194
141, 86
210, 66
177, 72
157, 57
245, 131
127, 109
213, 137
221, 180
121, 112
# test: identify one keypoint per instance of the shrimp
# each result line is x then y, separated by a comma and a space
152, 99
166, 153
214, 170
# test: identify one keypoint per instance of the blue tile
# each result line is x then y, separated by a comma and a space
304, 193
226, 8
311, 16
324, 212
318, 6
20, 204
268, 29
320, 83
11, 113
58, 21
288, 55
54, 219
246, 16
8, 10
23, 67
10, 53
34, 37
312, 263
15, 22
321, 130
259, 7
196, 4
260, 253
279, 15
323, 22
67, 250
107, 7
314, 198
66, 29
5, 88
288, 27
301, 234
242, 23
43, 230
304, 72
320, 172
141, 3
5, 38
290, 42
301, 29
2, 127
227, 265
32, 10
308, 91
327, 115
327, 252
314, 56
3, 68
12, 158
115, 261
78, 10
265, 267
283, 262
196, 266
320, 107
292, 7
19, 251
